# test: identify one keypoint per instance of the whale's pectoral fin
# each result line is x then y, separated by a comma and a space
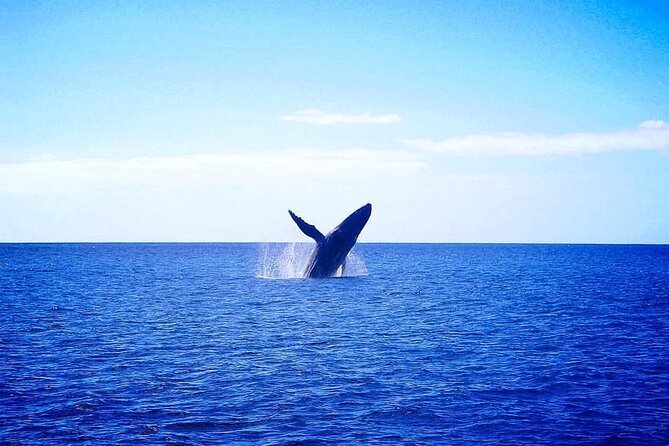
309, 230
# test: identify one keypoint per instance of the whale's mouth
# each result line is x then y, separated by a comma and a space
289, 260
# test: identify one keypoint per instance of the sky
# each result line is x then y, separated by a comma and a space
460, 121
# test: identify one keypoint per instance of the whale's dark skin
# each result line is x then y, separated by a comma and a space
331, 249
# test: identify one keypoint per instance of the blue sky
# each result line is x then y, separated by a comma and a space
509, 121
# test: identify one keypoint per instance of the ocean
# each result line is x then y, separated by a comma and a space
456, 344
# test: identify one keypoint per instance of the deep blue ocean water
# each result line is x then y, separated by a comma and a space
436, 344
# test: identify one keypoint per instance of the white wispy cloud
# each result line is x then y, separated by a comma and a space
315, 116
648, 135
266, 168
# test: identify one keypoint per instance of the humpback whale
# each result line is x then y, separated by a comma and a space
331, 249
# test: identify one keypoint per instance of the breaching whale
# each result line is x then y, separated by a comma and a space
331, 249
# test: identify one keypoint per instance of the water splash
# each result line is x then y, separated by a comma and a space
283, 261
355, 265
289, 260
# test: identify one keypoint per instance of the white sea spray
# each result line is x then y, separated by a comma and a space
289, 260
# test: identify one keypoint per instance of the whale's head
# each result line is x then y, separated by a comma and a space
352, 226
346, 234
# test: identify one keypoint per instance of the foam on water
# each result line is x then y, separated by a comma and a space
289, 260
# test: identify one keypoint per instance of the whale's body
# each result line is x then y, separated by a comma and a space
331, 249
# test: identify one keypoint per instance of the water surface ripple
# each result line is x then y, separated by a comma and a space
438, 344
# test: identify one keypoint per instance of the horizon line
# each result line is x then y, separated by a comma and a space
311, 243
